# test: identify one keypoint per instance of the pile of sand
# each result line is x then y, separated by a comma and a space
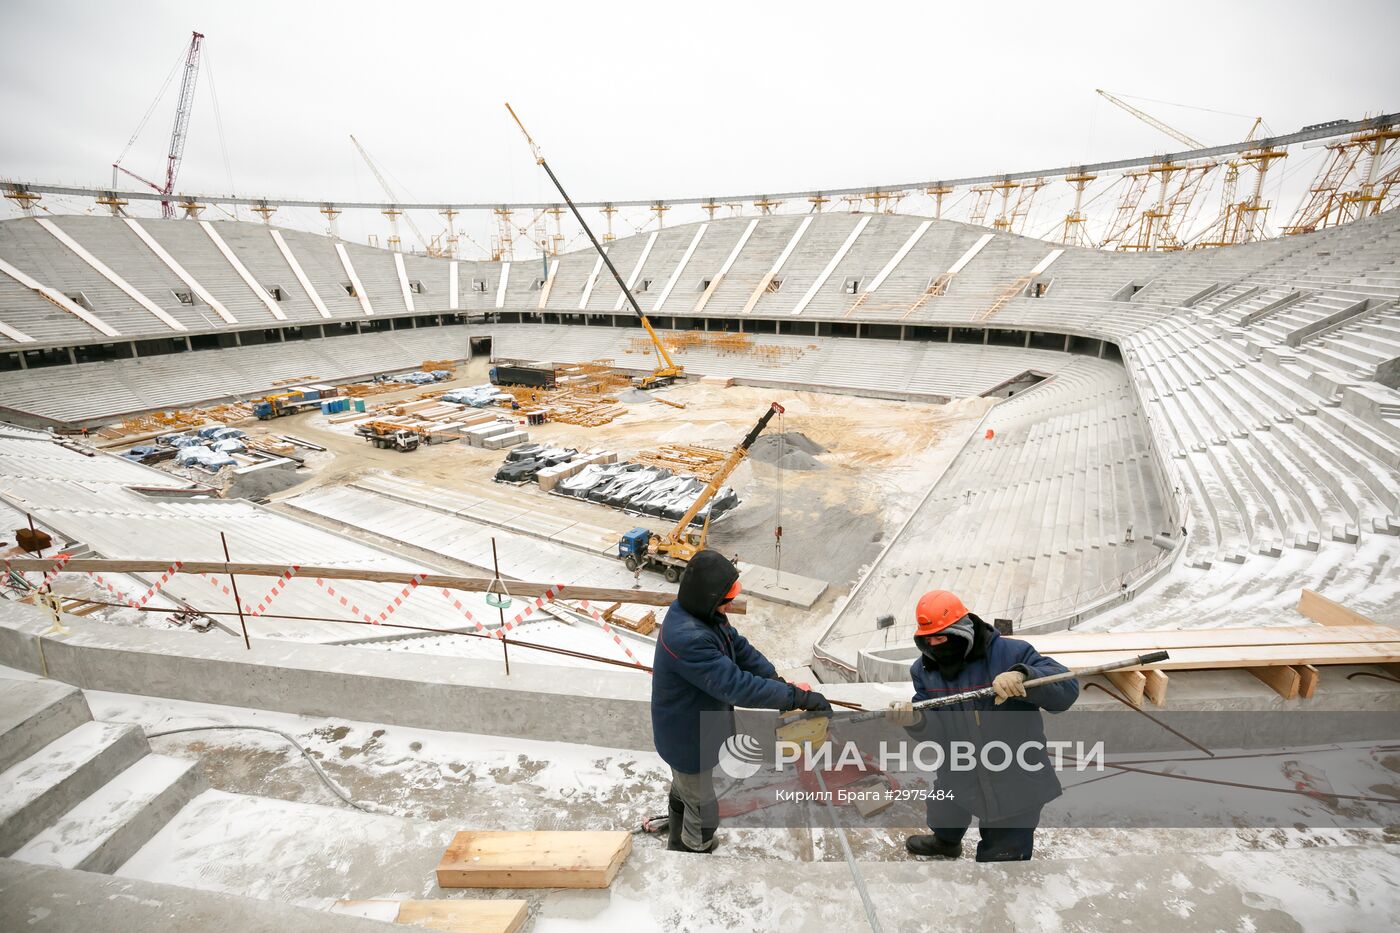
791, 451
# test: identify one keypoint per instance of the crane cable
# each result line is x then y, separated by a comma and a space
219, 125
179, 59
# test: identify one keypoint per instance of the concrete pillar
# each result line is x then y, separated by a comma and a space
189, 347
282, 334
1066, 343
1028, 339
237, 339
986, 335
950, 335
1102, 344
858, 327
24, 364
132, 344
901, 332
72, 357
707, 324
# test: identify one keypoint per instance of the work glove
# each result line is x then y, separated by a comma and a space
810, 700
901, 713
1008, 684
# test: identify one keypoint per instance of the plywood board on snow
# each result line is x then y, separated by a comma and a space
445, 916
533, 859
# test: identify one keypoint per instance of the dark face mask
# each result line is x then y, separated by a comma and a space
949, 657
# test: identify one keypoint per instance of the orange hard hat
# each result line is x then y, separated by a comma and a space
733, 592
937, 610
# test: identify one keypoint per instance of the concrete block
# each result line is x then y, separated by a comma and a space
506, 440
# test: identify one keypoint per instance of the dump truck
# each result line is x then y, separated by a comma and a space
536, 377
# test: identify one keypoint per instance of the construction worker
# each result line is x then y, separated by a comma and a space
703, 668
959, 652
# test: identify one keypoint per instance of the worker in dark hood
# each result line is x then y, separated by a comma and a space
959, 652
703, 669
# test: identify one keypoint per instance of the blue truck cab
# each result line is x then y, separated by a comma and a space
634, 543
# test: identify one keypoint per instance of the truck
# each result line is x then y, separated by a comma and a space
275, 406
389, 436
670, 553
536, 377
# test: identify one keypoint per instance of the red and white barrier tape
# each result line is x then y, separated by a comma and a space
529, 610
398, 600
457, 604
277, 588
155, 587
57, 569
222, 587
598, 617
345, 601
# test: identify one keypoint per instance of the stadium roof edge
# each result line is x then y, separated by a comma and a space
1326, 130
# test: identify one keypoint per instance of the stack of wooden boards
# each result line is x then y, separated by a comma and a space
1285, 657
503, 860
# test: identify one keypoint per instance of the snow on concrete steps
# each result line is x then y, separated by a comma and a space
56, 900
108, 827
34, 713
54, 779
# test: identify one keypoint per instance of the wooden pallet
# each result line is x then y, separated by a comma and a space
533, 859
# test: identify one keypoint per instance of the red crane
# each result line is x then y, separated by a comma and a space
183, 107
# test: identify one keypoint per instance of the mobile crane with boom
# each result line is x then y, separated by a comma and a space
666, 371
641, 547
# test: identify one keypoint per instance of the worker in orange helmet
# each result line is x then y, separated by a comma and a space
958, 652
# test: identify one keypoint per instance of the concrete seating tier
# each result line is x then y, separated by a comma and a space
1115, 293
1057, 509
95, 392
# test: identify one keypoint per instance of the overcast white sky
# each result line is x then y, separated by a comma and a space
664, 98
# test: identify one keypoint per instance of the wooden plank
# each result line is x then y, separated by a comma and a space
533, 859
1257, 656
447, 581
1130, 683
1129, 643
1326, 612
1285, 680
1156, 687
447, 916
1307, 681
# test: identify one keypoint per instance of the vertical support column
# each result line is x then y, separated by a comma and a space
132, 344
72, 357
950, 334
1102, 345
986, 335
1066, 343
1028, 340
24, 364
